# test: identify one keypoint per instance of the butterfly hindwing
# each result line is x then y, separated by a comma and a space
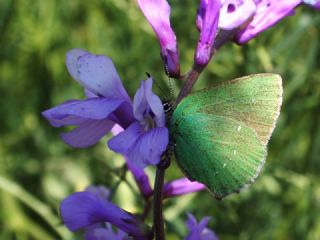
221, 133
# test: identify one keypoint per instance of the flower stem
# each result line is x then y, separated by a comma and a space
157, 205
190, 79
158, 223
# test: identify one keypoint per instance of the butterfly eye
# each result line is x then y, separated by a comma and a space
167, 106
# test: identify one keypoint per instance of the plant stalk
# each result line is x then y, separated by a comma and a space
190, 79
157, 205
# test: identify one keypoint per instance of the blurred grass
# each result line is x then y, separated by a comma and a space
37, 170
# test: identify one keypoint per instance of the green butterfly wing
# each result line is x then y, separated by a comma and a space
221, 133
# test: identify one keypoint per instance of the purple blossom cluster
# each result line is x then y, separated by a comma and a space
139, 125
244, 19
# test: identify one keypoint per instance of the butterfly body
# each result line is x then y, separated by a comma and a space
221, 133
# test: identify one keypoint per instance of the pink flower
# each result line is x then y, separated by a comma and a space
157, 13
207, 23
269, 12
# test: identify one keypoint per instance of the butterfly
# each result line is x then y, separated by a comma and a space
220, 134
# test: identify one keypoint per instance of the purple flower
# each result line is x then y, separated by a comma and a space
157, 13
145, 136
207, 23
145, 139
104, 232
139, 175
90, 210
313, 3
268, 13
234, 13
180, 187
198, 231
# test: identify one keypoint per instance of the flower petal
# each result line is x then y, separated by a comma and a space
313, 3
145, 100
83, 209
89, 94
92, 108
97, 74
139, 175
87, 133
104, 233
141, 179
149, 147
268, 13
207, 23
72, 58
123, 142
198, 231
99, 191
180, 187
157, 13
234, 13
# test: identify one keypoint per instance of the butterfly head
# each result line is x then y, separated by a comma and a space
168, 106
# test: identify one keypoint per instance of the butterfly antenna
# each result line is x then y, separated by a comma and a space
158, 86
170, 83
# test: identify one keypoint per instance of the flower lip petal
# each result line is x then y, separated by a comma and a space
123, 142
92, 108
241, 12
98, 74
139, 175
87, 133
149, 147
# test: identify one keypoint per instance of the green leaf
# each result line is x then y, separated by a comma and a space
221, 133
36, 205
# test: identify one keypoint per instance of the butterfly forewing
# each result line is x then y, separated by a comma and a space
221, 132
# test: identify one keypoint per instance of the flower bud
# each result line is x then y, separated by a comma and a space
207, 23
157, 13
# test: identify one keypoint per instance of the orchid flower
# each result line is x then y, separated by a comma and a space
145, 136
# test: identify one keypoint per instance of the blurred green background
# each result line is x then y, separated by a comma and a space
37, 170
